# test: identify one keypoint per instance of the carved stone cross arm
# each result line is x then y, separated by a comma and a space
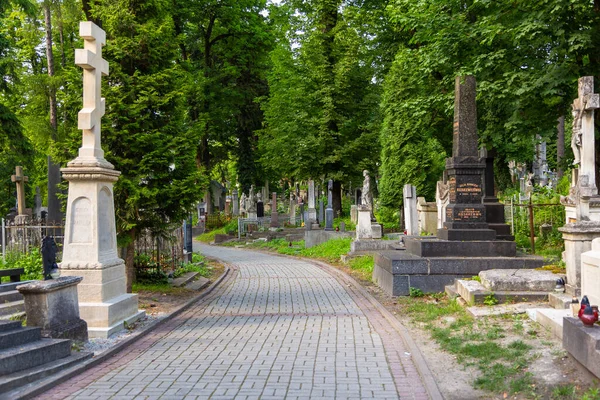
94, 67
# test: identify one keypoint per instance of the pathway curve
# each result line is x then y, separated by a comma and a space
277, 328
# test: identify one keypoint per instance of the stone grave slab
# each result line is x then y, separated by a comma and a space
523, 280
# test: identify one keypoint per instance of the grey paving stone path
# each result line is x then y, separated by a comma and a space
278, 328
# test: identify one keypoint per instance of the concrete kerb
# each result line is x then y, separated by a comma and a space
420, 363
43, 385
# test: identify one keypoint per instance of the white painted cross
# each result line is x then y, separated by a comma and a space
94, 67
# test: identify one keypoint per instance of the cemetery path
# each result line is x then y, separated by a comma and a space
276, 328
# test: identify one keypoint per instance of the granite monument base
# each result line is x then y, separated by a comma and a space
397, 271
53, 306
432, 247
583, 343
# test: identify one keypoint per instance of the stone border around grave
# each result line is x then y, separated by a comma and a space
40, 387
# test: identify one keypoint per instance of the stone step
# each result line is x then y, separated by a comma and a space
473, 292
451, 291
519, 280
19, 336
502, 309
12, 308
18, 316
198, 284
184, 279
9, 296
560, 301
12, 385
7, 287
9, 325
552, 319
33, 354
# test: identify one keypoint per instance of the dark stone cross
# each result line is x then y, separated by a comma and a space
20, 180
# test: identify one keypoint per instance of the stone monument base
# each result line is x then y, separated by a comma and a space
105, 319
103, 301
427, 246
397, 271
578, 239
583, 343
53, 306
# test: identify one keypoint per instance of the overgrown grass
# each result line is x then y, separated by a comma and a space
329, 251
363, 265
502, 366
208, 237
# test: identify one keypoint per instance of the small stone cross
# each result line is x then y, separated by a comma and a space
94, 67
20, 180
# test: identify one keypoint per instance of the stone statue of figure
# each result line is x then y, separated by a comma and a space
251, 200
576, 134
529, 184
243, 203
367, 196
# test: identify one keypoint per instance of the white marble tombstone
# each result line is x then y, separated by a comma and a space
411, 218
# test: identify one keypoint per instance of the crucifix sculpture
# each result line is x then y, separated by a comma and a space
94, 67
20, 180
583, 144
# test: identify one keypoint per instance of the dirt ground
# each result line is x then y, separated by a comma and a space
158, 304
551, 366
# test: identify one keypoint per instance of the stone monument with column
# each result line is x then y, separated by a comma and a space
581, 206
90, 243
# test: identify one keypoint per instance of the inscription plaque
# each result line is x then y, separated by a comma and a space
81, 221
106, 230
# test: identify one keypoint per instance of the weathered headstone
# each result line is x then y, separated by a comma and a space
292, 209
236, 203
427, 214
411, 218
274, 214
312, 212
540, 163
441, 201
465, 213
329, 211
321, 212
251, 204
494, 210
90, 242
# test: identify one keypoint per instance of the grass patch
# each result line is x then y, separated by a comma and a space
363, 265
502, 366
209, 237
329, 251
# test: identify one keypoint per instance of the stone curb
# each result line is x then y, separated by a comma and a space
420, 363
51, 381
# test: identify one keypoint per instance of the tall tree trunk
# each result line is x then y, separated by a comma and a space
560, 146
129, 256
54, 212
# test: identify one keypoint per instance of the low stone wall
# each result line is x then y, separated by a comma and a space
313, 238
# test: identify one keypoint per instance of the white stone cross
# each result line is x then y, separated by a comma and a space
94, 67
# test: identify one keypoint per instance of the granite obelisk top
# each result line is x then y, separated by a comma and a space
464, 140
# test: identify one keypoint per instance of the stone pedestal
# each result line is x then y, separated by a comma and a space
90, 248
590, 273
363, 227
578, 239
583, 343
53, 306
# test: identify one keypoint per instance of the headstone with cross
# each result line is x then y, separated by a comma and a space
20, 180
90, 238
94, 67
583, 144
